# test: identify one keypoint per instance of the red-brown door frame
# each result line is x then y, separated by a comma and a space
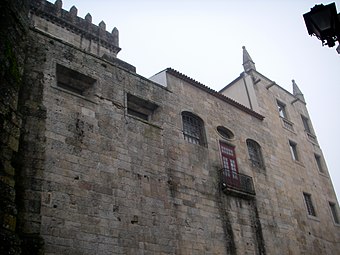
229, 162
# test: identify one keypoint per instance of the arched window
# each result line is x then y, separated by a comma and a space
255, 154
193, 128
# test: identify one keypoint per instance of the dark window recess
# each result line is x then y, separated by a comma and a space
293, 150
282, 109
305, 122
74, 81
255, 154
309, 204
319, 163
139, 107
225, 133
193, 129
334, 212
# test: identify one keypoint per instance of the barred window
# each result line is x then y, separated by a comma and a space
255, 154
193, 129
309, 204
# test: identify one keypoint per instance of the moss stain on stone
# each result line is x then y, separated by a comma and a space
11, 64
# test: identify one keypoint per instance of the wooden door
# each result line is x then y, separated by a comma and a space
230, 170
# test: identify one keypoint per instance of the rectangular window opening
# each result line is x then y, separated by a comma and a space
306, 125
334, 212
282, 109
139, 107
319, 163
309, 204
293, 150
74, 81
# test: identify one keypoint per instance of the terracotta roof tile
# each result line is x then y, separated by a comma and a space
214, 93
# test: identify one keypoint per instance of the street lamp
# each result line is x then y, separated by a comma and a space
324, 22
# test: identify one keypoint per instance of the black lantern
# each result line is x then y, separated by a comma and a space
323, 22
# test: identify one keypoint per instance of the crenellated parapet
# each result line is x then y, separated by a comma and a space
90, 37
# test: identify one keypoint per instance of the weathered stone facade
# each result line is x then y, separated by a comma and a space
13, 33
110, 162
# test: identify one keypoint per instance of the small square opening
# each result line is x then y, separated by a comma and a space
74, 81
139, 107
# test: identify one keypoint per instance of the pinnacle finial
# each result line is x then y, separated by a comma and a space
248, 63
115, 34
297, 92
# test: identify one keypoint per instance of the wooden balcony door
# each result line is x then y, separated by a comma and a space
230, 170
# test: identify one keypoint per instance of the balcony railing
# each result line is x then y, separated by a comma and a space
233, 182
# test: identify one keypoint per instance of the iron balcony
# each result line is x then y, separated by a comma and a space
237, 184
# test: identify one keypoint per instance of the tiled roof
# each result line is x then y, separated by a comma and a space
214, 93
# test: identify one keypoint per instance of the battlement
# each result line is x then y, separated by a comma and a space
91, 37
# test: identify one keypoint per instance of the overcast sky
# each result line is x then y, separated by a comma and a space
204, 39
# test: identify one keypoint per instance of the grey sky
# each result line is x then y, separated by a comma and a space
204, 39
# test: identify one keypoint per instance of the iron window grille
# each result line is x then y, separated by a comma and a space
193, 129
309, 204
255, 154
235, 182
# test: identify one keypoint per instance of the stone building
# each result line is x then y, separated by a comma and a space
96, 159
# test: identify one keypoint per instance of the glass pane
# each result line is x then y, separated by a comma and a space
227, 151
293, 151
192, 129
282, 110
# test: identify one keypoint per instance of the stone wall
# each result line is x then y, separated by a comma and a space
13, 32
113, 182
101, 165
290, 178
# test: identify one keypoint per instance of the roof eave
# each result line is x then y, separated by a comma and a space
214, 93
